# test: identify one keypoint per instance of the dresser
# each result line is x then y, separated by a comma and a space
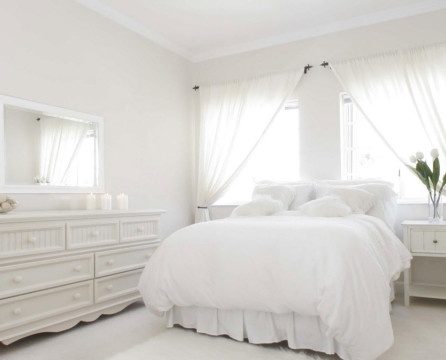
58, 268
427, 242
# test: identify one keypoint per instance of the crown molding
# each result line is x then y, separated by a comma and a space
198, 56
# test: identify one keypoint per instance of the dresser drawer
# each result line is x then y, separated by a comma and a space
31, 238
114, 286
139, 228
24, 309
38, 275
424, 241
81, 234
113, 261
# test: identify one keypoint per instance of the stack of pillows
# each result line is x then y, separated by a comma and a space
323, 198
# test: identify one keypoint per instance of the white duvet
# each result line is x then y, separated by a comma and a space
336, 268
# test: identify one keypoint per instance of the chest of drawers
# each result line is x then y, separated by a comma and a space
58, 268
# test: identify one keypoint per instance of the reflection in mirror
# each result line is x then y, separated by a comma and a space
49, 149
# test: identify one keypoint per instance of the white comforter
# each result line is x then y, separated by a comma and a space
336, 268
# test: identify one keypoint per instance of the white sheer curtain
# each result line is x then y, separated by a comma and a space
60, 142
233, 119
398, 91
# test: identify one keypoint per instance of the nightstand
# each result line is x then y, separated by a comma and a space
427, 240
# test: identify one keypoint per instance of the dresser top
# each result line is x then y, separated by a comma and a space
19, 216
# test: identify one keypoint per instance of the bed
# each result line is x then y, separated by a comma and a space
310, 264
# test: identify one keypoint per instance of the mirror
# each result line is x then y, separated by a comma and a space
47, 149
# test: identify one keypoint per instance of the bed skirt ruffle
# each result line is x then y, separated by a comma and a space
301, 332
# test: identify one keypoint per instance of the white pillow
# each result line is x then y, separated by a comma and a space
302, 193
328, 206
282, 193
360, 201
260, 206
385, 198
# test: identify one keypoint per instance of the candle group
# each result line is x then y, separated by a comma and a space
122, 202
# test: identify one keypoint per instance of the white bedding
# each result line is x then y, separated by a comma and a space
336, 268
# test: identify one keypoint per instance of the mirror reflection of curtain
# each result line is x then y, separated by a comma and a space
61, 141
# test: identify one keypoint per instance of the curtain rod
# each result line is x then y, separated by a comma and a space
306, 69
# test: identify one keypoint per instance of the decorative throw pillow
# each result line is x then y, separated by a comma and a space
302, 193
327, 206
360, 201
260, 206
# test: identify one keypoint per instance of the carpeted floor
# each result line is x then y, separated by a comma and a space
178, 343
419, 335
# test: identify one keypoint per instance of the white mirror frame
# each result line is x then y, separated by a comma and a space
57, 112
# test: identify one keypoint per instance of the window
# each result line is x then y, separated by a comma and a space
276, 158
364, 155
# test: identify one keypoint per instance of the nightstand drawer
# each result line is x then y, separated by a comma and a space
113, 261
114, 286
31, 238
423, 241
139, 228
38, 275
82, 234
42, 304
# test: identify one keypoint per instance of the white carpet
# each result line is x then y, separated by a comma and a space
181, 344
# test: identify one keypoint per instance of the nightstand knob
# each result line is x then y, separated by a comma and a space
77, 296
32, 240
140, 229
18, 279
110, 261
77, 268
17, 311
109, 287
435, 241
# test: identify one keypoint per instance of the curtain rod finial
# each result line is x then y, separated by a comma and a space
325, 64
307, 68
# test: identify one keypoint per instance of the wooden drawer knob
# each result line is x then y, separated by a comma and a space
109, 287
17, 311
110, 261
18, 279
435, 241
77, 296
148, 255
78, 268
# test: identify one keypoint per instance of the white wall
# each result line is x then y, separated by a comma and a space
60, 53
319, 90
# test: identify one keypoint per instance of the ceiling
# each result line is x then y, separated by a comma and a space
204, 29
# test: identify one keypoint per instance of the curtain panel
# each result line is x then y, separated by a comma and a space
232, 121
398, 91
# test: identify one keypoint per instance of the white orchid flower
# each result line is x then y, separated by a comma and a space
435, 153
419, 155
413, 159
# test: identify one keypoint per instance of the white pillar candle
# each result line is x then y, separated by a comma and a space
106, 202
122, 201
90, 202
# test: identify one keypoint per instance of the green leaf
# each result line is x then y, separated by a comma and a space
443, 184
419, 175
436, 172
424, 171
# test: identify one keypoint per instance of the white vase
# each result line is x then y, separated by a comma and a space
435, 210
